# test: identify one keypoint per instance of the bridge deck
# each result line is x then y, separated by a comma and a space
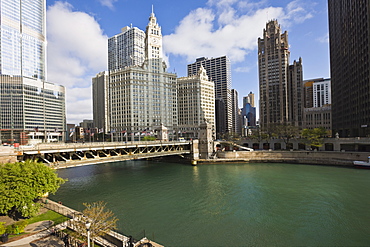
72, 154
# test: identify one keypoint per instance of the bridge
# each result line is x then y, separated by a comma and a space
60, 155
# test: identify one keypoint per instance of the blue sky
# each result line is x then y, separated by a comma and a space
77, 33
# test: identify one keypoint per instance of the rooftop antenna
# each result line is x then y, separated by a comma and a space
152, 9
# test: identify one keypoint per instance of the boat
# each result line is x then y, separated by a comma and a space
362, 164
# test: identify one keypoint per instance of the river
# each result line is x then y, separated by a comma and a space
228, 204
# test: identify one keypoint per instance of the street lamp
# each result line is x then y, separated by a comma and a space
88, 224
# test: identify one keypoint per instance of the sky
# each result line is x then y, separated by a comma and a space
78, 30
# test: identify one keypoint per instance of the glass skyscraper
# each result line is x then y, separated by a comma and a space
23, 42
30, 107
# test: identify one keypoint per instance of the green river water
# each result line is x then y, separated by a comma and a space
228, 204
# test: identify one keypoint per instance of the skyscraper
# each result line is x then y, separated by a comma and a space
142, 94
349, 32
126, 48
31, 108
280, 85
235, 112
218, 71
101, 111
23, 38
317, 104
295, 93
249, 111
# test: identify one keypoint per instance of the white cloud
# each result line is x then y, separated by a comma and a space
108, 3
227, 27
198, 34
323, 39
243, 69
77, 51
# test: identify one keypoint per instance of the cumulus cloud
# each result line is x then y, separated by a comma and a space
227, 27
77, 51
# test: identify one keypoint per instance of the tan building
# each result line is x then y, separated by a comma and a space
280, 85
317, 117
196, 103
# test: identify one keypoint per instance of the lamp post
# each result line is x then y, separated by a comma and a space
88, 224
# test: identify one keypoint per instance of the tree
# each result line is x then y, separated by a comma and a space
101, 220
286, 132
22, 183
315, 137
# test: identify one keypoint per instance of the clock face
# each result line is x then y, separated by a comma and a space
155, 40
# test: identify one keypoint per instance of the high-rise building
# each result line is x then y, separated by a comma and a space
317, 92
279, 84
126, 48
295, 93
143, 95
196, 103
101, 111
249, 99
32, 110
317, 104
219, 71
23, 38
249, 111
235, 112
349, 35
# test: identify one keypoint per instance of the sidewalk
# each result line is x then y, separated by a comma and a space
41, 235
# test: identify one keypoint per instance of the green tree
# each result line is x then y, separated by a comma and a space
100, 218
22, 183
315, 137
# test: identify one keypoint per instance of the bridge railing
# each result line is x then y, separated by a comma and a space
60, 145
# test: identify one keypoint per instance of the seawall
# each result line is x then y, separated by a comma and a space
297, 157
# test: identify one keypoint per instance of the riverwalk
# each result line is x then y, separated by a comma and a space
42, 234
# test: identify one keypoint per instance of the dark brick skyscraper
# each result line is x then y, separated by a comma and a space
349, 28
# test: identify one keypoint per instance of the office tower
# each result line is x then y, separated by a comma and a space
219, 71
126, 48
31, 108
142, 96
235, 113
221, 117
249, 111
196, 103
295, 93
249, 99
349, 35
23, 38
279, 83
317, 107
100, 92
321, 93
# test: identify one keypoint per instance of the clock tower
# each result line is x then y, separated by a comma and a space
153, 40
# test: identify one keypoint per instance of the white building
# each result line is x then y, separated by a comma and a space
126, 48
142, 93
196, 103
321, 93
219, 71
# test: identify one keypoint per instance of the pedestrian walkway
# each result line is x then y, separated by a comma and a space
43, 232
